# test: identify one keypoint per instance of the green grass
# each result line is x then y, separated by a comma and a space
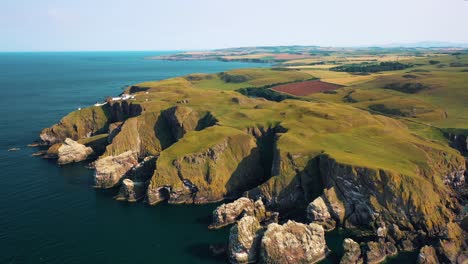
254, 78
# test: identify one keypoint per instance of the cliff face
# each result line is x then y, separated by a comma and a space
206, 166
78, 124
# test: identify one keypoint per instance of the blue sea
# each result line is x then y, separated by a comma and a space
51, 213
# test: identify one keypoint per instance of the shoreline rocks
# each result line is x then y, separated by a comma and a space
293, 242
131, 191
244, 240
72, 151
352, 252
229, 213
110, 170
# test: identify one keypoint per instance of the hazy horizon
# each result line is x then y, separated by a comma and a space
123, 25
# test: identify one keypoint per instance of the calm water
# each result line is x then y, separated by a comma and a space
50, 214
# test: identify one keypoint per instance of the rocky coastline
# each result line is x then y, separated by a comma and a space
284, 200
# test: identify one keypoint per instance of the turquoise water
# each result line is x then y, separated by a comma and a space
51, 214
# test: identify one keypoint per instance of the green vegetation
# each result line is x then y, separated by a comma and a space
370, 67
388, 131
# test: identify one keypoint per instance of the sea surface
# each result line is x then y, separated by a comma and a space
51, 213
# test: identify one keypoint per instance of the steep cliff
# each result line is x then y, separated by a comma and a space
206, 166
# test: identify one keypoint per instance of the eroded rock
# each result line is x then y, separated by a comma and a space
131, 191
293, 243
352, 252
317, 212
110, 170
72, 151
244, 240
229, 213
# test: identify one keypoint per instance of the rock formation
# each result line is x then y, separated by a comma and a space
131, 191
317, 212
110, 170
244, 240
427, 255
352, 252
293, 242
229, 213
72, 151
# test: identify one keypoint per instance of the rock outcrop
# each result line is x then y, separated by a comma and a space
72, 151
229, 213
293, 243
244, 240
131, 191
317, 212
110, 170
427, 255
352, 252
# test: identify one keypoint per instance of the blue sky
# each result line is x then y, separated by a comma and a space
64, 25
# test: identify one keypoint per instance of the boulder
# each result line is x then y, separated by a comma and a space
229, 213
293, 243
131, 191
317, 212
352, 252
427, 255
72, 151
110, 170
244, 240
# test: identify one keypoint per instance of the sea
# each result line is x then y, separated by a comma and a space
51, 213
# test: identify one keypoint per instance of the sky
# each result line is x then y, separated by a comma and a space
81, 25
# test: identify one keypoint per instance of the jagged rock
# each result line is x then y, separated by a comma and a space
244, 240
227, 214
352, 252
317, 212
427, 255
110, 170
131, 191
72, 151
293, 243
378, 251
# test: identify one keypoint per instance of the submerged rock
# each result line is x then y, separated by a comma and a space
72, 151
317, 212
244, 240
352, 252
110, 170
293, 243
427, 255
131, 191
